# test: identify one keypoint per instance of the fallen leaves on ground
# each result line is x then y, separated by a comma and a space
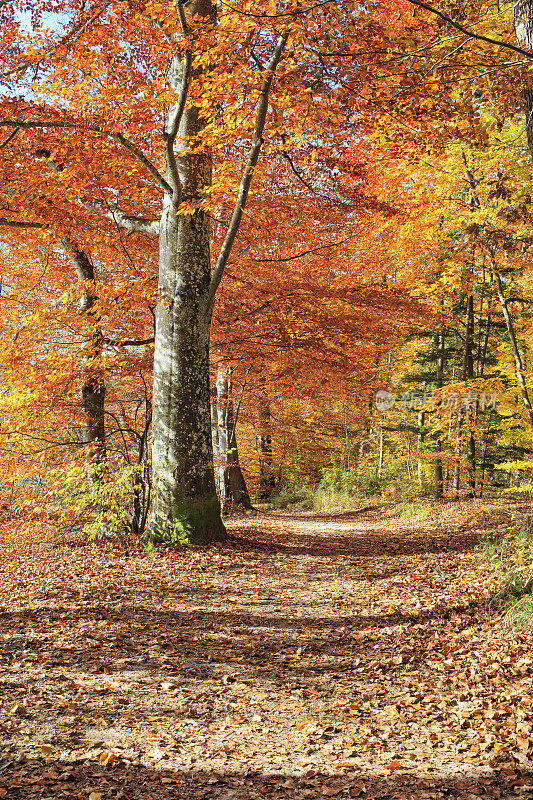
311, 655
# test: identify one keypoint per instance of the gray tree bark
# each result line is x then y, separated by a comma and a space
524, 34
185, 504
519, 366
467, 373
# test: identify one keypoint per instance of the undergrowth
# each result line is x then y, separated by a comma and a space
509, 550
418, 509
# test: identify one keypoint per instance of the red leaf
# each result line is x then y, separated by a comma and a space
394, 765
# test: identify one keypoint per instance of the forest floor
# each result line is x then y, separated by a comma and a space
311, 656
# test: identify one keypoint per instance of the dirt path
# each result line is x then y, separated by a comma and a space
311, 656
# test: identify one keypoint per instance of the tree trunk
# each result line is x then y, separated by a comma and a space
93, 388
439, 482
420, 443
524, 34
232, 489
519, 366
267, 481
463, 416
185, 503
380, 462
215, 439
468, 372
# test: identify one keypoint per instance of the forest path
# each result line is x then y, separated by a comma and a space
310, 656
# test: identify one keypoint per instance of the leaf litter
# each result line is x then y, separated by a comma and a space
309, 656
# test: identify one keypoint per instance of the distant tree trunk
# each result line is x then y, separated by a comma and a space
468, 372
142, 484
232, 485
519, 366
93, 388
465, 415
215, 438
267, 480
439, 482
483, 468
420, 441
408, 457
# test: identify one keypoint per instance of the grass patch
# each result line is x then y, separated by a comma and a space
520, 614
417, 510
331, 500
509, 551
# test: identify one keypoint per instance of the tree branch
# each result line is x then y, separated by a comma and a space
246, 180
302, 254
141, 158
129, 222
9, 138
176, 114
118, 137
468, 32
15, 223
128, 342
71, 37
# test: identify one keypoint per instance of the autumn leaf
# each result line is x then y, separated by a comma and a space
393, 766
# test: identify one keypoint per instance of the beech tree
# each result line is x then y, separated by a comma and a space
150, 117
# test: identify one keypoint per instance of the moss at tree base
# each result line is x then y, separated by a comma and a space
191, 521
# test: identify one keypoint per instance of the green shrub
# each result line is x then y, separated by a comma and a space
294, 495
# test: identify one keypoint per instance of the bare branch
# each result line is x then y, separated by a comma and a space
302, 254
129, 222
308, 186
27, 124
141, 158
128, 342
295, 13
82, 262
15, 223
9, 138
246, 180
